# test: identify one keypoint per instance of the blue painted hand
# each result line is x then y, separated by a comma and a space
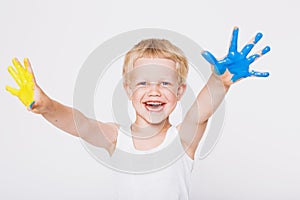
236, 64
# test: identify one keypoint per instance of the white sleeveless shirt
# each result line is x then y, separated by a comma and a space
168, 169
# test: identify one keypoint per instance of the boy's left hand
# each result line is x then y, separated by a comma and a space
235, 65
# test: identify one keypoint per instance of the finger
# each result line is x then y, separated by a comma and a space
234, 39
257, 38
15, 76
31, 105
219, 69
248, 47
209, 57
34, 108
265, 50
225, 61
17, 63
12, 90
19, 69
28, 67
252, 58
259, 74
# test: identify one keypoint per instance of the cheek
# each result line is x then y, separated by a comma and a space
172, 100
136, 96
171, 94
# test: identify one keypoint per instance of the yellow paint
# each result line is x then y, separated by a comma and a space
24, 79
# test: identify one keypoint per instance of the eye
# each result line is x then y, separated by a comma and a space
142, 83
165, 83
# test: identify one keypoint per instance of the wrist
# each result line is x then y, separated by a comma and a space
225, 78
221, 81
42, 103
48, 106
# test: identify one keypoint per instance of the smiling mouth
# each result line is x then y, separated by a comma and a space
154, 106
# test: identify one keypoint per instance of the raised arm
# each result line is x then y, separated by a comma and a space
225, 72
32, 96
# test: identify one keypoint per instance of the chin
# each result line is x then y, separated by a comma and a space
155, 118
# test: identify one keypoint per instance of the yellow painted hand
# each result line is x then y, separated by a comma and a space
25, 80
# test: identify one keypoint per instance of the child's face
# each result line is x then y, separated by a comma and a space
152, 86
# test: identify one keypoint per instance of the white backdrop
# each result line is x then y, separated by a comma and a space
258, 155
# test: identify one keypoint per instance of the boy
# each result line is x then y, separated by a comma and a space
154, 75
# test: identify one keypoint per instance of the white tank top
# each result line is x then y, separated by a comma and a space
166, 179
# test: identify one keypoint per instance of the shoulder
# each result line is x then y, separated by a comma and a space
110, 132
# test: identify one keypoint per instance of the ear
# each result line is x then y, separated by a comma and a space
180, 91
127, 90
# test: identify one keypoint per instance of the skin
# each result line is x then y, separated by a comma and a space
237, 63
24, 79
150, 126
152, 80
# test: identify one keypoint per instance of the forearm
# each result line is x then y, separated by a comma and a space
77, 124
209, 99
62, 116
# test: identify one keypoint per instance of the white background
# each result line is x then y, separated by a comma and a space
258, 155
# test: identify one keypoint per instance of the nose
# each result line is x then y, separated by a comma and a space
154, 90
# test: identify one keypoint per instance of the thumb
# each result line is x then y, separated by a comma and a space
12, 90
209, 57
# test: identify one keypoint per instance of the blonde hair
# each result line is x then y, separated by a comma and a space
160, 48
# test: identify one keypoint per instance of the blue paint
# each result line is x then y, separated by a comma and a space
265, 50
218, 68
257, 37
31, 105
237, 63
234, 39
246, 50
260, 74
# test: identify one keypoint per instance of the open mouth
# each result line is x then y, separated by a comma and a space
154, 106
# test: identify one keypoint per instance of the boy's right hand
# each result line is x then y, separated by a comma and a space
29, 92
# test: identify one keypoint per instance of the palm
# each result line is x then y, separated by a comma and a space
237, 63
25, 80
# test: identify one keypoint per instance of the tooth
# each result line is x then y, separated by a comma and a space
154, 103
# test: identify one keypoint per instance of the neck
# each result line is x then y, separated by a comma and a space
149, 130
